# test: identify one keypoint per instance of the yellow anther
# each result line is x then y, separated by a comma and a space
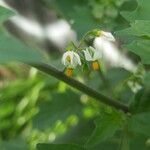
69, 72
95, 65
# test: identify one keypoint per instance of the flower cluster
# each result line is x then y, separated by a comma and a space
72, 59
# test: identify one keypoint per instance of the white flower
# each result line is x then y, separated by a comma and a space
107, 36
71, 59
92, 54
110, 52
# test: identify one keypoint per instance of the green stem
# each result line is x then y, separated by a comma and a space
79, 86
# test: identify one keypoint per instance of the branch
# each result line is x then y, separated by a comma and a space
79, 86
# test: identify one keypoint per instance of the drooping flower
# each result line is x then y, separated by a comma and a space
93, 55
107, 36
70, 60
112, 56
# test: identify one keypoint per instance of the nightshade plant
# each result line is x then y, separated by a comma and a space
114, 94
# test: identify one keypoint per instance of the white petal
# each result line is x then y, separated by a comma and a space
87, 55
97, 55
112, 56
109, 50
71, 53
77, 58
108, 36
92, 49
74, 59
64, 58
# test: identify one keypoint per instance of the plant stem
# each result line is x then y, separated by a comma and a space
79, 86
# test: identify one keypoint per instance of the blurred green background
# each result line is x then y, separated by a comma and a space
36, 108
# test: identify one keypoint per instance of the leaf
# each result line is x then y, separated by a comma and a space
138, 28
147, 80
61, 106
141, 48
140, 123
105, 128
141, 13
141, 102
139, 32
5, 14
16, 144
12, 49
59, 147
139, 143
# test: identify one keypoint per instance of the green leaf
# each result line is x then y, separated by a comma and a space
12, 49
59, 147
5, 14
141, 102
106, 126
141, 13
139, 143
107, 145
147, 80
138, 28
139, 32
62, 106
141, 48
140, 123
16, 144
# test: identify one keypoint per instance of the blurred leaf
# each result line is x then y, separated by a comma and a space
141, 102
141, 48
59, 147
61, 106
12, 49
139, 143
140, 123
106, 126
111, 144
141, 13
147, 80
5, 14
13, 145
77, 134
138, 28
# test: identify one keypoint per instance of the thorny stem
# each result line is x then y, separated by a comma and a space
80, 86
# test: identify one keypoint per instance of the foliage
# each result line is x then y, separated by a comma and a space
40, 112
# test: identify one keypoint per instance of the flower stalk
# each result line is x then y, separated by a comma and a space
81, 87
